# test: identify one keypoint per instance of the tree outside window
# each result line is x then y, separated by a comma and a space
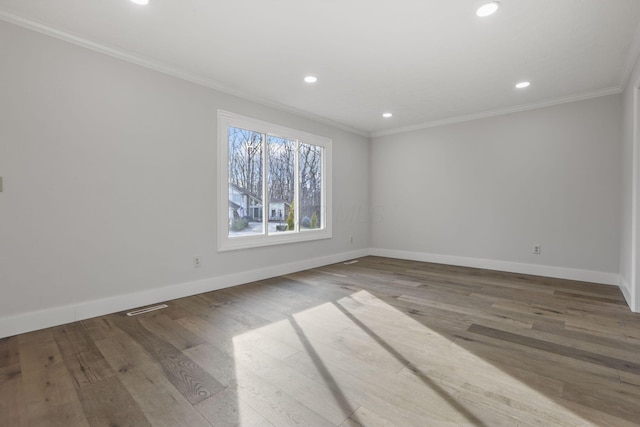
276, 180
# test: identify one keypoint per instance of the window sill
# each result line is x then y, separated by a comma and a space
248, 242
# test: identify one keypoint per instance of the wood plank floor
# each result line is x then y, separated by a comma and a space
380, 342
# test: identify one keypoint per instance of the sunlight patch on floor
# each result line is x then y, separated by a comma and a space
361, 358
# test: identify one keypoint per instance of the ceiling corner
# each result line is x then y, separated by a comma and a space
632, 58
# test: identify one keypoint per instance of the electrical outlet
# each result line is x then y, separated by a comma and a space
537, 249
197, 262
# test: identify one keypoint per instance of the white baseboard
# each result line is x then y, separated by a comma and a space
512, 267
625, 287
31, 321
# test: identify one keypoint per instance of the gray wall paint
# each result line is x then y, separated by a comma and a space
109, 182
109, 178
492, 188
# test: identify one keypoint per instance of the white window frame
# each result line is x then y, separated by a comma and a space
229, 243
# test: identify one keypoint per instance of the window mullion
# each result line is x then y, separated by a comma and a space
265, 188
296, 184
236, 190
323, 182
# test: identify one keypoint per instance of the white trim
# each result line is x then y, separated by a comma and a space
512, 267
500, 112
167, 69
634, 196
182, 74
625, 288
26, 322
226, 242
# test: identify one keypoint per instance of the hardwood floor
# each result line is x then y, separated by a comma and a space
380, 342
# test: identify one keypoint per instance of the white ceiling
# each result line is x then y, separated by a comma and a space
427, 61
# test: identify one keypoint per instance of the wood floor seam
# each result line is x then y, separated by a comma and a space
585, 356
381, 342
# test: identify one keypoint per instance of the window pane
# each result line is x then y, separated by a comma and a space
267, 176
245, 182
281, 184
310, 164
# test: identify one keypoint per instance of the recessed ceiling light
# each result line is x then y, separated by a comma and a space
488, 9
387, 115
311, 79
142, 2
522, 85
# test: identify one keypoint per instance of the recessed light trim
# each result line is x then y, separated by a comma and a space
523, 85
387, 115
310, 79
488, 9
140, 2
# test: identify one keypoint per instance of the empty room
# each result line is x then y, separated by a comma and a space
297, 213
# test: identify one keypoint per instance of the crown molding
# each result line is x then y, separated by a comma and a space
164, 68
179, 73
499, 112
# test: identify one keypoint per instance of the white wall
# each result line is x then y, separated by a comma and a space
629, 237
483, 192
109, 186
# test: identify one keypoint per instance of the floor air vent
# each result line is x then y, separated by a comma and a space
147, 310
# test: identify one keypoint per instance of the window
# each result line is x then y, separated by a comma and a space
274, 184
